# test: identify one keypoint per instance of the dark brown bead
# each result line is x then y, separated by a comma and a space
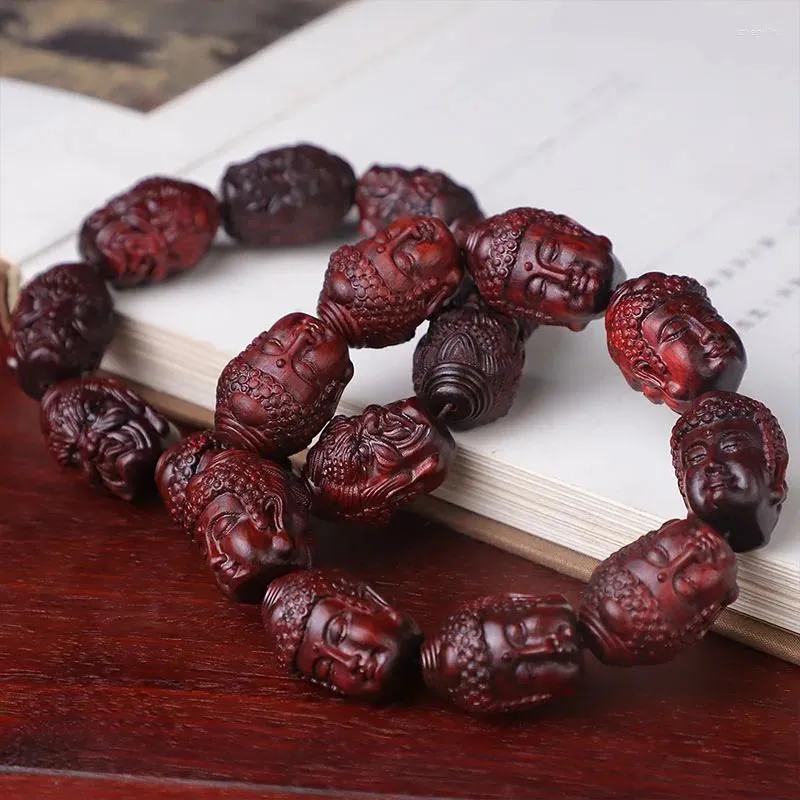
505, 653
289, 196
62, 324
386, 193
179, 464
106, 430
656, 596
541, 267
340, 634
669, 341
242, 512
159, 227
377, 292
276, 395
730, 458
364, 468
467, 366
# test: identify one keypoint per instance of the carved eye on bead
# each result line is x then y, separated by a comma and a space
62, 324
504, 653
364, 468
656, 596
288, 196
159, 227
377, 292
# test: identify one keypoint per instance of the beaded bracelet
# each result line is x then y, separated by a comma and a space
485, 284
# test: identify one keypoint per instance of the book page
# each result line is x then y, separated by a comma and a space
63, 154
672, 128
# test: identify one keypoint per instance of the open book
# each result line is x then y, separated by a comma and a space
671, 128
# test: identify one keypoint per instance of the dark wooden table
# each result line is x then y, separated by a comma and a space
124, 673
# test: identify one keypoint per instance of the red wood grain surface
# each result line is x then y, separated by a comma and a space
125, 673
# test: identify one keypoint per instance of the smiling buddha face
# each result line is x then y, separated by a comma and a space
730, 458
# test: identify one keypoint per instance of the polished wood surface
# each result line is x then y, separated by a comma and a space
125, 673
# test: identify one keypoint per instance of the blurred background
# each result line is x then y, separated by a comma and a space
139, 53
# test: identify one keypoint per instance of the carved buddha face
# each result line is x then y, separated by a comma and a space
698, 348
669, 341
365, 467
532, 651
564, 277
652, 597
541, 267
339, 634
729, 455
413, 250
350, 646
505, 652
242, 512
276, 395
302, 354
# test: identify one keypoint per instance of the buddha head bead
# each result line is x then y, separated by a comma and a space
669, 342
730, 458
159, 227
340, 634
377, 292
541, 267
386, 193
242, 512
365, 468
289, 196
62, 324
276, 395
106, 430
468, 365
654, 597
503, 653
179, 464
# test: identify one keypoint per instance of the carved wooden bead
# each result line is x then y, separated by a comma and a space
276, 395
179, 464
242, 512
106, 430
340, 634
658, 595
669, 341
288, 196
62, 324
159, 227
387, 193
505, 653
365, 468
377, 292
468, 365
541, 267
730, 458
